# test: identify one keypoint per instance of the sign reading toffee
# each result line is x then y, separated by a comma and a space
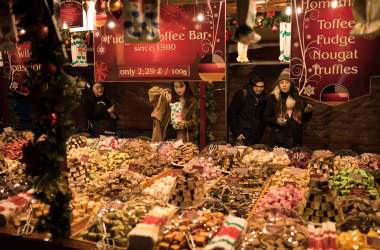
331, 65
188, 49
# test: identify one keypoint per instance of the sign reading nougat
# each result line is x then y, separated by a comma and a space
331, 65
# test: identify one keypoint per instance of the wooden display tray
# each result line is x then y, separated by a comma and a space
169, 172
265, 189
37, 241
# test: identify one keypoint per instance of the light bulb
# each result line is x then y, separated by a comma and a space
299, 10
334, 4
111, 24
288, 11
200, 17
65, 26
22, 32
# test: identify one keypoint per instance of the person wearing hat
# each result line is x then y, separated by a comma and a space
286, 112
246, 112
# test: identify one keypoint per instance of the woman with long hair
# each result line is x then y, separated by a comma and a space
181, 92
286, 112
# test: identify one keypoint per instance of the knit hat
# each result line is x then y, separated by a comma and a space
285, 77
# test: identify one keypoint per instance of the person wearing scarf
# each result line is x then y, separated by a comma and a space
246, 112
285, 113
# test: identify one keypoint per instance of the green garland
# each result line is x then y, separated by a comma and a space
211, 115
263, 19
55, 96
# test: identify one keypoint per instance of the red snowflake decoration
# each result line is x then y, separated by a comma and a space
101, 71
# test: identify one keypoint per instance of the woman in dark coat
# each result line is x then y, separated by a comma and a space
246, 112
286, 112
100, 112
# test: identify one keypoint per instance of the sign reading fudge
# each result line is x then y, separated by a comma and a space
331, 65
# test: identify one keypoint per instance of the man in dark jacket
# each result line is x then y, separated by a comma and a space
246, 112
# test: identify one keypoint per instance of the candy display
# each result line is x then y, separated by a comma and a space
322, 154
31, 214
145, 234
258, 156
300, 157
354, 240
3, 164
322, 167
118, 222
108, 143
237, 200
321, 205
121, 184
323, 237
185, 153
82, 206
253, 176
166, 150
355, 181
161, 188
278, 233
205, 166
298, 177
76, 142
229, 162
343, 162
77, 175
13, 149
370, 161
136, 148
188, 190
360, 214
189, 230
149, 166
228, 235
134, 194
13, 205
112, 160
114, 222
289, 197
280, 157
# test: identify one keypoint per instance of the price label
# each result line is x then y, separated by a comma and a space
356, 177
359, 191
373, 241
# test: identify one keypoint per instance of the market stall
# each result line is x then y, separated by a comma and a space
135, 194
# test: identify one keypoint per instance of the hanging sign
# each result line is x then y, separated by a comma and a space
17, 65
190, 48
331, 66
78, 51
71, 13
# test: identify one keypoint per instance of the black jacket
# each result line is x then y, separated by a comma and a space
291, 134
100, 121
246, 115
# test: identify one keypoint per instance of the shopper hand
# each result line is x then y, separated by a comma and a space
168, 97
241, 137
111, 109
308, 108
181, 124
281, 121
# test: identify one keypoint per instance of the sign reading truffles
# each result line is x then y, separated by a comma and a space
189, 49
332, 66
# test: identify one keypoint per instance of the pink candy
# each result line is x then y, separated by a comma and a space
285, 197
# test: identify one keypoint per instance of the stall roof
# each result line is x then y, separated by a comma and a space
262, 5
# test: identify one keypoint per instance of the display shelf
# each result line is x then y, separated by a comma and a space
259, 63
